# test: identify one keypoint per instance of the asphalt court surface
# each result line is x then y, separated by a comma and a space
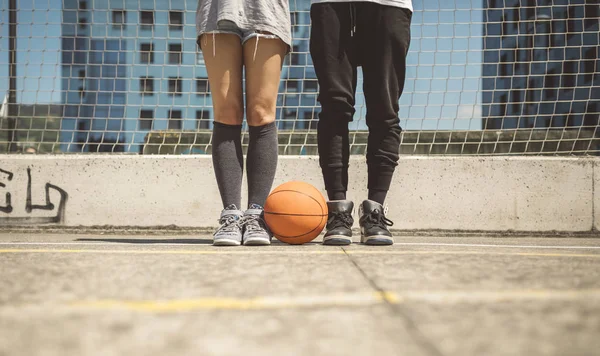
64, 294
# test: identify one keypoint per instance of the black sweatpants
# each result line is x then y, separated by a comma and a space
376, 37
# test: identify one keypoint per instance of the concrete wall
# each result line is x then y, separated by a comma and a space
462, 193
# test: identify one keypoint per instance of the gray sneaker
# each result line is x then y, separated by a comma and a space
230, 231
256, 231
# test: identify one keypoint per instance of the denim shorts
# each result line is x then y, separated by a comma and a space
225, 26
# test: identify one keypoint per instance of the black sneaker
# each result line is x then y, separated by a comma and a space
339, 223
373, 224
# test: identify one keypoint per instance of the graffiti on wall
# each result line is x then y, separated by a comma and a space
18, 199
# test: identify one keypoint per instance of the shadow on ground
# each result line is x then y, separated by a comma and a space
149, 241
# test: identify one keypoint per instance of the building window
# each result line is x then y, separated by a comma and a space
311, 86
201, 86
503, 69
569, 74
515, 99
309, 120
592, 12
199, 58
589, 64
575, 22
82, 22
147, 53
147, 85
296, 56
82, 73
175, 20
289, 118
81, 44
175, 85
557, 40
202, 119
83, 5
292, 85
505, 30
290, 114
175, 53
551, 84
81, 51
118, 18
146, 119
174, 120
529, 10
502, 106
147, 19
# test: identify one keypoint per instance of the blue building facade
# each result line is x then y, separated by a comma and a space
541, 64
130, 67
297, 101
133, 66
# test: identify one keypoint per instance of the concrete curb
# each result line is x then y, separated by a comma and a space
428, 193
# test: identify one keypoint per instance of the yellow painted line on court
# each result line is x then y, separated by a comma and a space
261, 303
226, 251
339, 300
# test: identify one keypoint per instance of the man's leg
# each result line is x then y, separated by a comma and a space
331, 48
384, 34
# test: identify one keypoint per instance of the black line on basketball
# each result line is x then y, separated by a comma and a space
295, 191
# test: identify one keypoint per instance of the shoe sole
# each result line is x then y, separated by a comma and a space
226, 242
378, 241
337, 240
257, 242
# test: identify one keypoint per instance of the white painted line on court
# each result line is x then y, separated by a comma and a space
298, 252
116, 243
499, 246
462, 296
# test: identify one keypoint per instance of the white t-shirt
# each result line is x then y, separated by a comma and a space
407, 4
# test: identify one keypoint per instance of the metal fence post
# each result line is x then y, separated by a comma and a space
12, 73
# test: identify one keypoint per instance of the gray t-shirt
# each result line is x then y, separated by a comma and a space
260, 15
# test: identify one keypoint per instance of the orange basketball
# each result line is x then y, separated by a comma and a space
296, 212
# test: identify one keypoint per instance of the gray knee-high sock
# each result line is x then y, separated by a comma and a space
228, 162
261, 162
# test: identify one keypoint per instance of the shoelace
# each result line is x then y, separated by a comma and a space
376, 217
229, 223
254, 222
340, 219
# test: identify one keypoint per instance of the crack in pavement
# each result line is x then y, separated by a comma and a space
400, 312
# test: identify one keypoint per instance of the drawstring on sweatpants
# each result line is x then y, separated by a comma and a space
352, 20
